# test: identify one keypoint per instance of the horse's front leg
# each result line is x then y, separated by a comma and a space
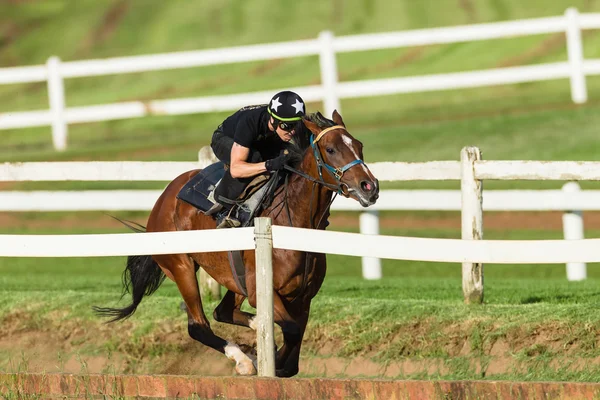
292, 326
181, 269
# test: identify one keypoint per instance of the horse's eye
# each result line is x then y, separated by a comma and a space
330, 150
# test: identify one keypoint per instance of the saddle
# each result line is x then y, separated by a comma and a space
199, 192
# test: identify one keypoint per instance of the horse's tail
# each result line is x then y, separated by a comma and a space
141, 277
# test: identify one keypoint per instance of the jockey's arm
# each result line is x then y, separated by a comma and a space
239, 167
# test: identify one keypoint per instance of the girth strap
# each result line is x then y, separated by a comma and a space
238, 270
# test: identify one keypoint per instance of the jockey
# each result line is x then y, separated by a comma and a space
250, 142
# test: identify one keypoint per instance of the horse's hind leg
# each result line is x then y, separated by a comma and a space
228, 311
181, 268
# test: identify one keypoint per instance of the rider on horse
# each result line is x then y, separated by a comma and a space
251, 142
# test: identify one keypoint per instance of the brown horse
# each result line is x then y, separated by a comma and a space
331, 162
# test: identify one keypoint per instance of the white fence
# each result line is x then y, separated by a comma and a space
402, 248
330, 90
570, 199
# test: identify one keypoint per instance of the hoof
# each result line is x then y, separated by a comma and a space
243, 362
245, 367
284, 373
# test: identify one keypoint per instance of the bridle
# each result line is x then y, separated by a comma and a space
336, 173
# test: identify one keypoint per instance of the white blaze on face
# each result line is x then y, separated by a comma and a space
348, 141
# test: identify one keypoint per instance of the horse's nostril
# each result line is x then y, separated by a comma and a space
367, 186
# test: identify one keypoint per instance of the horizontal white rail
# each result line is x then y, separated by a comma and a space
85, 200
95, 171
137, 109
124, 244
350, 244
384, 171
538, 170
437, 250
37, 73
77, 69
167, 171
456, 34
457, 80
405, 200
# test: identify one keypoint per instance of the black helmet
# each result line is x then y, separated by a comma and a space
286, 106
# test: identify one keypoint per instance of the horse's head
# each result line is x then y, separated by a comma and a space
339, 159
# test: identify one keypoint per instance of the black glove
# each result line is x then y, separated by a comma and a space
277, 163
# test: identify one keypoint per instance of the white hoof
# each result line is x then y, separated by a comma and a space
243, 363
245, 368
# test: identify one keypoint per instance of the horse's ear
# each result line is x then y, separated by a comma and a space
311, 126
337, 118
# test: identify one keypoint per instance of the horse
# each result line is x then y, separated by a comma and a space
335, 165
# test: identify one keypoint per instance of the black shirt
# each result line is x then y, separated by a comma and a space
249, 126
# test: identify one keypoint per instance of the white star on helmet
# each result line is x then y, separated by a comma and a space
275, 104
299, 106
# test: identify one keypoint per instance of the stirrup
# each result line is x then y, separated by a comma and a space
228, 222
233, 218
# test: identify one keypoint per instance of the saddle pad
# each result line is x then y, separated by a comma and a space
196, 191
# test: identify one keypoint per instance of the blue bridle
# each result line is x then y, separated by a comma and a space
337, 173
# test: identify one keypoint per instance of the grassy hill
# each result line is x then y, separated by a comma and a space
507, 122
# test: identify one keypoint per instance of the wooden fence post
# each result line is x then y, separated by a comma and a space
369, 225
329, 73
209, 288
472, 222
56, 95
575, 54
265, 339
573, 230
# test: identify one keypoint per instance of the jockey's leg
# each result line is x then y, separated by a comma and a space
228, 191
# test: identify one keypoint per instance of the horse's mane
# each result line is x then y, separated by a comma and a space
301, 141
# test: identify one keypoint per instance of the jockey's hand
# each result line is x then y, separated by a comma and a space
279, 162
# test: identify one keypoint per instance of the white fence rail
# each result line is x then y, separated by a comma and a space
389, 200
330, 90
